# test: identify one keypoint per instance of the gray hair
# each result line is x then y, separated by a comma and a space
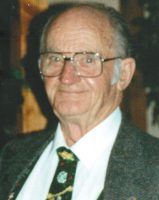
117, 70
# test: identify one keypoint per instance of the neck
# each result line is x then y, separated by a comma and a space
75, 129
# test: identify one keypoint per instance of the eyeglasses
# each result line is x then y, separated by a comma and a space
86, 64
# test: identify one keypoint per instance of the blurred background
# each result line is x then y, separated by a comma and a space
23, 103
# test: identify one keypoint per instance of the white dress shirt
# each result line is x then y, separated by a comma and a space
93, 151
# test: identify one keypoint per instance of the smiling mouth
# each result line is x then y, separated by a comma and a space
71, 92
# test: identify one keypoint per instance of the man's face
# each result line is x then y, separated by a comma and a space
72, 96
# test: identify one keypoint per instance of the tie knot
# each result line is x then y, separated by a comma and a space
66, 154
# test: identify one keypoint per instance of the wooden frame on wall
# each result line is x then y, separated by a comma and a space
32, 117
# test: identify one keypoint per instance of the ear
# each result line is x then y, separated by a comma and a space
127, 71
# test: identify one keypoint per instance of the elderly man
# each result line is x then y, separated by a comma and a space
85, 63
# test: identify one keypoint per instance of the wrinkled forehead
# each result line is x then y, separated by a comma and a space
82, 19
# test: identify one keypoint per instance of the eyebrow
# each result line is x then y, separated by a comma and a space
52, 49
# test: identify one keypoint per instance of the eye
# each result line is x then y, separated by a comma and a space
89, 59
54, 58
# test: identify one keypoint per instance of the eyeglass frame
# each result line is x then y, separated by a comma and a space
66, 58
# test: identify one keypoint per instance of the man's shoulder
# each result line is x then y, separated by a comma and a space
19, 156
22, 143
149, 143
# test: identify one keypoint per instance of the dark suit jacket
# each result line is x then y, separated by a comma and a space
132, 174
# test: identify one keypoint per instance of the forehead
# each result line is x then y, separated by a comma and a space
85, 27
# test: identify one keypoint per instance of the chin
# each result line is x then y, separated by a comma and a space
69, 111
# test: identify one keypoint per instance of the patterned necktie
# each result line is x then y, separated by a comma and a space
62, 185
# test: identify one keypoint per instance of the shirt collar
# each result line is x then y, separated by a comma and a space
98, 140
59, 138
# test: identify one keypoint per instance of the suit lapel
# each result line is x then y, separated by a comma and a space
101, 196
125, 169
27, 160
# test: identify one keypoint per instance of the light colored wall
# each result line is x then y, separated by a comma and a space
113, 3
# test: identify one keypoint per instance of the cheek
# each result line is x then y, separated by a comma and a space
100, 85
51, 88
101, 91
98, 89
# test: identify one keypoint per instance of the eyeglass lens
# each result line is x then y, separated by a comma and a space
86, 64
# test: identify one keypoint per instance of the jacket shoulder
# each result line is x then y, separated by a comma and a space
26, 141
148, 144
19, 156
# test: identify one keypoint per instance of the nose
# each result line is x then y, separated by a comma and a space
68, 75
